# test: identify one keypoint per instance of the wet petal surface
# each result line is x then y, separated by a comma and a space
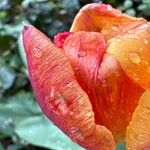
133, 52
59, 95
105, 19
138, 132
112, 94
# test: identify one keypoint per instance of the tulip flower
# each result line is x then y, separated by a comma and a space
93, 82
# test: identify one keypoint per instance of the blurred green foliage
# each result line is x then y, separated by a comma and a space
22, 125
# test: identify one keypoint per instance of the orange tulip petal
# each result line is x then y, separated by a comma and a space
138, 132
112, 94
59, 95
133, 52
105, 19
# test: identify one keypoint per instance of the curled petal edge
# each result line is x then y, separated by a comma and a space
105, 19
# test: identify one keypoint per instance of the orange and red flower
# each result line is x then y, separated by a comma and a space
94, 81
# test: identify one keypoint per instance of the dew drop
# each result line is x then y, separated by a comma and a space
130, 31
135, 57
115, 27
104, 32
79, 135
91, 70
145, 41
76, 134
73, 130
73, 44
136, 77
52, 92
104, 83
141, 48
88, 113
98, 49
62, 109
82, 101
118, 40
37, 52
81, 53
118, 73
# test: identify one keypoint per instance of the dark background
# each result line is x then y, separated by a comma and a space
22, 125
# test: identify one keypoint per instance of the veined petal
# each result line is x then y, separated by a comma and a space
133, 52
112, 94
105, 19
59, 95
138, 131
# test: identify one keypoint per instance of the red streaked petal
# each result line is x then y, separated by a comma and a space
138, 131
59, 95
59, 39
133, 52
112, 94
105, 19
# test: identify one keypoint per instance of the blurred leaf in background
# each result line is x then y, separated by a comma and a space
22, 125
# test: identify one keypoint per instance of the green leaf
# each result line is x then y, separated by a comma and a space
20, 115
20, 106
41, 132
15, 110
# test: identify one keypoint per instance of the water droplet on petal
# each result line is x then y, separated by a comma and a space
57, 102
73, 44
104, 83
115, 27
73, 130
145, 41
81, 53
76, 134
79, 136
141, 48
98, 49
91, 70
135, 57
136, 77
118, 73
37, 52
118, 40
52, 92
88, 113
104, 32
130, 31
